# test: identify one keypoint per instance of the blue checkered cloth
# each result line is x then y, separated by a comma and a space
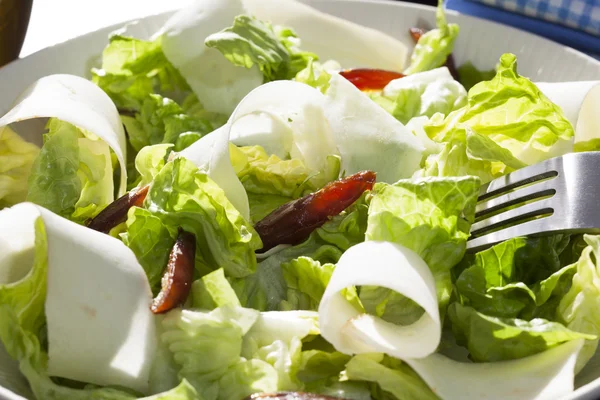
583, 15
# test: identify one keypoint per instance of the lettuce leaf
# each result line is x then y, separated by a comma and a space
183, 196
132, 69
264, 174
512, 112
232, 352
470, 75
392, 378
150, 241
213, 291
269, 288
434, 46
422, 94
317, 75
251, 41
16, 160
262, 205
494, 339
162, 120
580, 307
430, 216
469, 153
306, 281
521, 277
73, 173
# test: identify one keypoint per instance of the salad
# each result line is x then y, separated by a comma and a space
262, 201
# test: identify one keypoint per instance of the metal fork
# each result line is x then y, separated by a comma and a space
559, 195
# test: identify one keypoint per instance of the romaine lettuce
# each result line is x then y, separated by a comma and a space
73, 174
434, 46
132, 69
511, 111
251, 41
16, 160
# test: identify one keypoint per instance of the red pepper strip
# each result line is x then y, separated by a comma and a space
370, 79
116, 212
416, 34
177, 280
290, 396
293, 222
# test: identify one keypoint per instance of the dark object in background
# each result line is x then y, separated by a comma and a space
14, 19
426, 2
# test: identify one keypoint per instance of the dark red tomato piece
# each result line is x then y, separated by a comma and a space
116, 212
177, 280
293, 222
370, 79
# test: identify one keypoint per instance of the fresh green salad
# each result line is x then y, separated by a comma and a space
262, 201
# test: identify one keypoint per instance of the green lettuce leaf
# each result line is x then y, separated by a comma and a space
150, 160
430, 216
262, 205
232, 352
16, 160
132, 69
434, 46
469, 153
162, 120
512, 112
579, 309
494, 339
390, 376
273, 49
267, 289
306, 281
73, 174
470, 75
521, 277
212, 291
316, 74
422, 94
264, 174
151, 242
183, 196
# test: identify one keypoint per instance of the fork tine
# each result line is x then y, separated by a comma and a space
521, 177
513, 216
520, 195
536, 226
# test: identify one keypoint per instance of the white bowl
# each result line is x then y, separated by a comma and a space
480, 41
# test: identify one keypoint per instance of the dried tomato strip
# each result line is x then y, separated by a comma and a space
177, 280
293, 222
370, 79
116, 212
